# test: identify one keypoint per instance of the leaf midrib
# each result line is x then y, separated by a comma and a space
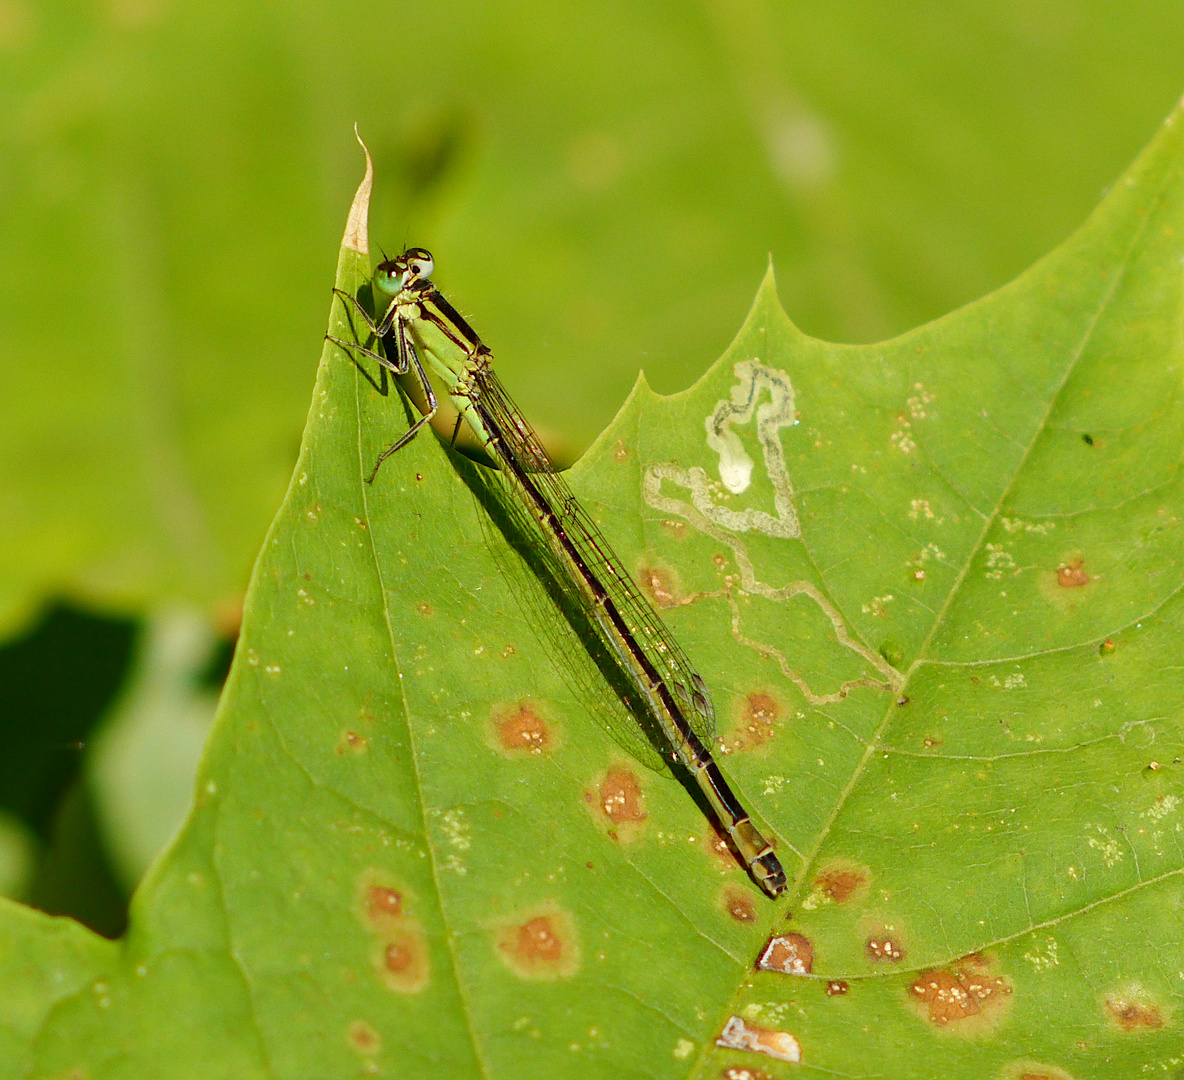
449, 936
874, 745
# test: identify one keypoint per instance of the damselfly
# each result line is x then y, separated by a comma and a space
663, 689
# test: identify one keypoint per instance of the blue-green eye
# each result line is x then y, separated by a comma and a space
390, 276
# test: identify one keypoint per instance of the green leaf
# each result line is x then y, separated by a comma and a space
941, 620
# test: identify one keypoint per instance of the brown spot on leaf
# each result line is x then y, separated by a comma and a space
1032, 1070
621, 800
383, 902
400, 955
756, 723
840, 880
743, 1072
884, 946
739, 904
402, 959
521, 730
363, 1038
662, 585
1107, 647
352, 742
508, 651
737, 1035
955, 995
617, 802
1072, 575
540, 944
424, 608
716, 845
620, 451
790, 954
1133, 1011
677, 529
837, 988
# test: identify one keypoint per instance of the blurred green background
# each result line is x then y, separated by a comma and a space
601, 184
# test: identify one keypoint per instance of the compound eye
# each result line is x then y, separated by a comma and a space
390, 276
422, 266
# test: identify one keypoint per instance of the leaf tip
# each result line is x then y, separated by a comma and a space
769, 281
357, 225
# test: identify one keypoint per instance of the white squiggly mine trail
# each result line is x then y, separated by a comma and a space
721, 523
735, 466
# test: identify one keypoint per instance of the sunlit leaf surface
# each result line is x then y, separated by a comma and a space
934, 587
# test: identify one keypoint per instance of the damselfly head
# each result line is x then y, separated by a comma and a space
394, 275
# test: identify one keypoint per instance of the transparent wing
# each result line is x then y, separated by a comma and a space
645, 625
557, 615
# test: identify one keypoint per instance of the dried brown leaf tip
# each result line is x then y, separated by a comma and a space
540, 945
964, 992
790, 954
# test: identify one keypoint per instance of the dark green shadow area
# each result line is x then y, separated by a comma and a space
59, 680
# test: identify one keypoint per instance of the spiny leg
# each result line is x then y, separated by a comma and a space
398, 365
377, 329
409, 359
385, 364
